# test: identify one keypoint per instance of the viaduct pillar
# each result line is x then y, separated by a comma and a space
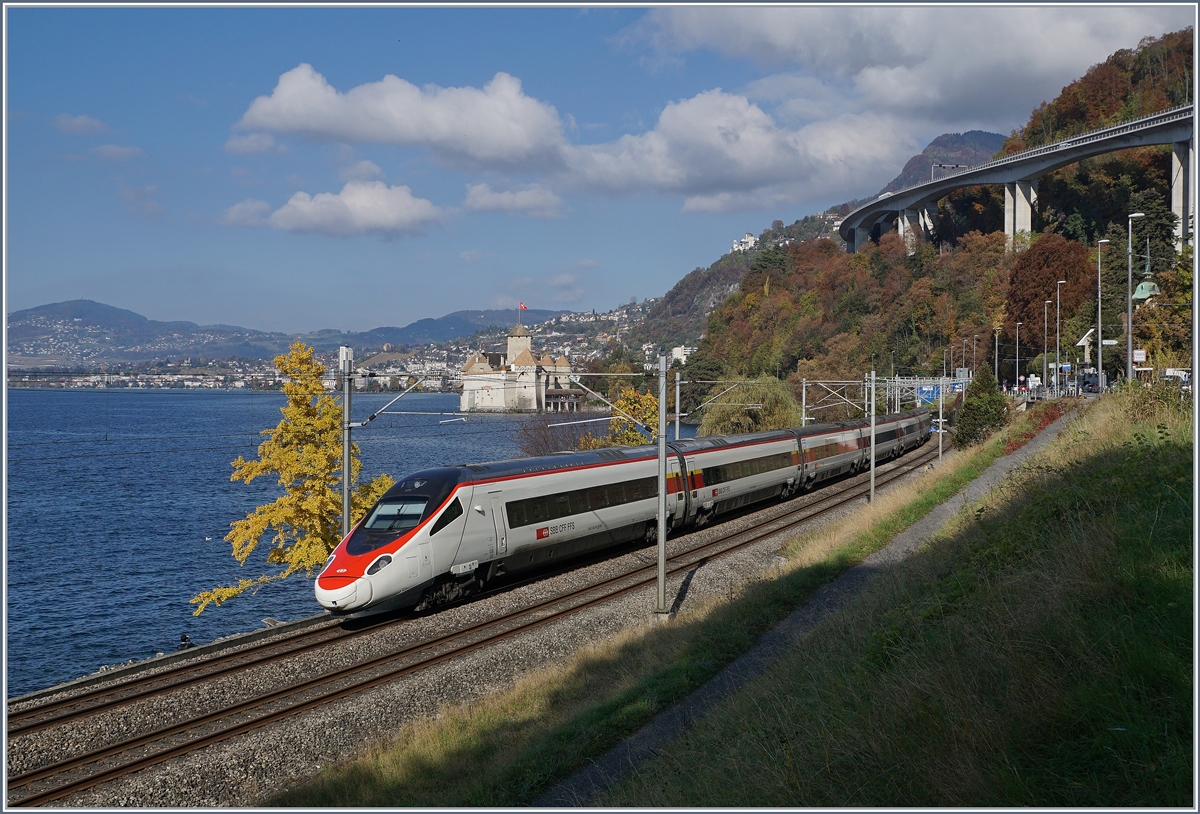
1181, 184
907, 225
861, 235
1020, 199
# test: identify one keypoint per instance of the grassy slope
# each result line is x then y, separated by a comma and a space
510, 748
1040, 654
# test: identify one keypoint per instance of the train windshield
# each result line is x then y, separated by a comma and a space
391, 517
396, 514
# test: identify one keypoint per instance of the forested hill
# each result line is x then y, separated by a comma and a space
1132, 82
1081, 201
970, 148
681, 317
813, 311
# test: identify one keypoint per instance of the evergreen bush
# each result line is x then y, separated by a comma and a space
984, 409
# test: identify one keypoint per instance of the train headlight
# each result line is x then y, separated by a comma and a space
328, 562
379, 564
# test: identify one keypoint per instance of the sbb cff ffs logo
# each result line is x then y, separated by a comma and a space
549, 531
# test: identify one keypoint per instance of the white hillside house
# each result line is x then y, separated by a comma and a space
745, 244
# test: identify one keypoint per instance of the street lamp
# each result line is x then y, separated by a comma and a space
964, 361
1099, 328
1017, 364
1057, 336
1129, 304
996, 356
1045, 331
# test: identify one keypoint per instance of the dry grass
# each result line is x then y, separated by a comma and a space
508, 748
813, 547
1040, 654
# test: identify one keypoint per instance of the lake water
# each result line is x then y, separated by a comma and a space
119, 502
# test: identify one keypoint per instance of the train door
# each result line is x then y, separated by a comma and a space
498, 522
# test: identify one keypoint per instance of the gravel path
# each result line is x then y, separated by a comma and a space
588, 784
249, 769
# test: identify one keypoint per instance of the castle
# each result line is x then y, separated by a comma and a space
518, 381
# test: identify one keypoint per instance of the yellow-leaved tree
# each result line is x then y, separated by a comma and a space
305, 452
622, 431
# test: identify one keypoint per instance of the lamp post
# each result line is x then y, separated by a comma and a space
964, 361
1045, 338
1129, 303
1017, 363
943, 363
1099, 328
1057, 333
996, 356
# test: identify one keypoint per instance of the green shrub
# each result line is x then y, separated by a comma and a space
984, 409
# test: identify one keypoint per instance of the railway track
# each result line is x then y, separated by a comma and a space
139, 751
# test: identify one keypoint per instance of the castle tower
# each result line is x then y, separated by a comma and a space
519, 339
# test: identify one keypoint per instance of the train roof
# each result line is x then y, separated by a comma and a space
555, 461
571, 460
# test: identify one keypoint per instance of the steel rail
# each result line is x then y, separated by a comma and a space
680, 561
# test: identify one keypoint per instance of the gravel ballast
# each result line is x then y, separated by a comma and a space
248, 769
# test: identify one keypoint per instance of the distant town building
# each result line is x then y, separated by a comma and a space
681, 354
518, 381
745, 244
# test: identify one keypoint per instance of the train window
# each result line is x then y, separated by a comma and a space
537, 510
754, 466
597, 498
398, 514
564, 504
452, 513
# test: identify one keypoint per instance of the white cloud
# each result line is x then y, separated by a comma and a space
991, 63
252, 143
249, 212
79, 125
361, 207
566, 289
115, 152
497, 125
724, 153
361, 171
533, 200
141, 200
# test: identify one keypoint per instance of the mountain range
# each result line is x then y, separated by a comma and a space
83, 331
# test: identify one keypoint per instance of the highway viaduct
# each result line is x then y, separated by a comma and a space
908, 208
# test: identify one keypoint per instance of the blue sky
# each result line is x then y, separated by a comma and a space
301, 168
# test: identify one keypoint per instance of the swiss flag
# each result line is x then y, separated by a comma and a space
523, 306
543, 533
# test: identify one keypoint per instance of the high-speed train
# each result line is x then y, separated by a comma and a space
442, 534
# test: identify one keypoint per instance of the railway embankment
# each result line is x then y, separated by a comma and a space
1036, 651
515, 747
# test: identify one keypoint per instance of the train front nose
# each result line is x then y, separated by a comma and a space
343, 593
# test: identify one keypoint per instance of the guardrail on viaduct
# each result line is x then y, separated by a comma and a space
908, 208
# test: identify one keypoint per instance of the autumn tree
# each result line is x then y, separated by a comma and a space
1034, 278
757, 404
621, 431
304, 451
